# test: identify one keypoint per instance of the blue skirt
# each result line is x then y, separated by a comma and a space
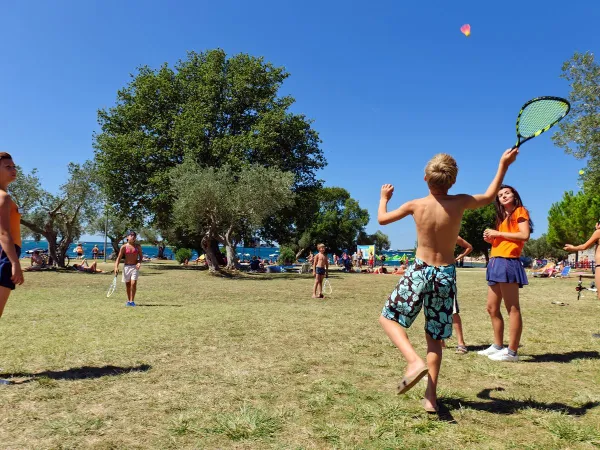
505, 270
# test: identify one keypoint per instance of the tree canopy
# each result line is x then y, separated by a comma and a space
337, 222
59, 218
212, 110
223, 203
474, 223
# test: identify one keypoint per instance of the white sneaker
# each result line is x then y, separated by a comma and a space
503, 356
489, 351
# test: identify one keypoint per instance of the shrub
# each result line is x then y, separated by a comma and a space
182, 254
286, 256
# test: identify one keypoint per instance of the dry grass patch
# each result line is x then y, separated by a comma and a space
254, 362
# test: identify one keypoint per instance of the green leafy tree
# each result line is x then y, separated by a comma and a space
337, 223
579, 132
473, 224
380, 239
115, 225
541, 248
214, 111
220, 204
59, 218
572, 220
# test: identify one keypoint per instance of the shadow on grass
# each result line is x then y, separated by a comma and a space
444, 414
476, 348
165, 267
511, 406
561, 357
157, 304
77, 373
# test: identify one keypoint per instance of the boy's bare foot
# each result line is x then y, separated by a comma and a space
314, 296
430, 403
429, 407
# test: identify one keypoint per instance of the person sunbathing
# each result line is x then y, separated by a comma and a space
84, 267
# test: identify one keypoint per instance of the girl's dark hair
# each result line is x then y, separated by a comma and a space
501, 211
4, 155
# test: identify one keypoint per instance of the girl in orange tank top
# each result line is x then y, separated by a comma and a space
505, 273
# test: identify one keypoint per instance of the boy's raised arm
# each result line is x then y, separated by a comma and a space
481, 200
383, 216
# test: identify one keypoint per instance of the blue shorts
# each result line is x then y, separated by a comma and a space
6, 268
505, 270
320, 270
423, 285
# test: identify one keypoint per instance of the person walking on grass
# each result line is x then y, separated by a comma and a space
593, 240
505, 274
461, 347
431, 280
132, 251
320, 270
10, 235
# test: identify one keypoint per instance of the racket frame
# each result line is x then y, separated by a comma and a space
112, 288
546, 128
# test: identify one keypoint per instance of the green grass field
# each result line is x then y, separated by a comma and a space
254, 362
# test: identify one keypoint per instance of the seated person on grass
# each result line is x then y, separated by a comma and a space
37, 262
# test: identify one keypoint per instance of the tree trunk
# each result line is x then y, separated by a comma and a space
214, 243
232, 260
299, 254
211, 257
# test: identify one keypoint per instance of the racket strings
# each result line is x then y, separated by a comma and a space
540, 115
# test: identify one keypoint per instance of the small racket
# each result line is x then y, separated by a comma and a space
327, 289
539, 115
112, 287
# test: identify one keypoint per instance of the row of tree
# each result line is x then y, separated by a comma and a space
210, 153
205, 153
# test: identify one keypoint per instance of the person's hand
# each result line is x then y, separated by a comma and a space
387, 190
116, 271
138, 265
17, 274
489, 240
489, 233
508, 157
569, 248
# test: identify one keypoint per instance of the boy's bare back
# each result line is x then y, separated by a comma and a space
438, 216
438, 219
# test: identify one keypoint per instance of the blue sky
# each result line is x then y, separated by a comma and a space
388, 84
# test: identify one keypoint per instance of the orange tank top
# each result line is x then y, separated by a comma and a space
506, 248
15, 224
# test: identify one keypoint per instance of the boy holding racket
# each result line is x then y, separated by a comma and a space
320, 269
431, 280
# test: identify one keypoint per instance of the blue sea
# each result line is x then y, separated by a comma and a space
151, 251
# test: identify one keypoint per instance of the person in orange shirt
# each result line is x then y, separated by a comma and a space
10, 235
505, 274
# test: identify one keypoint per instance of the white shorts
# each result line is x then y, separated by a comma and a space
130, 272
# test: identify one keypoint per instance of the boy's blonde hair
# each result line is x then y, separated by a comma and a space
441, 171
320, 246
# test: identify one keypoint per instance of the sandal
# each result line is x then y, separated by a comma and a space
462, 349
408, 383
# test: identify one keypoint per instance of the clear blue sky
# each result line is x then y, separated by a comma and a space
388, 84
